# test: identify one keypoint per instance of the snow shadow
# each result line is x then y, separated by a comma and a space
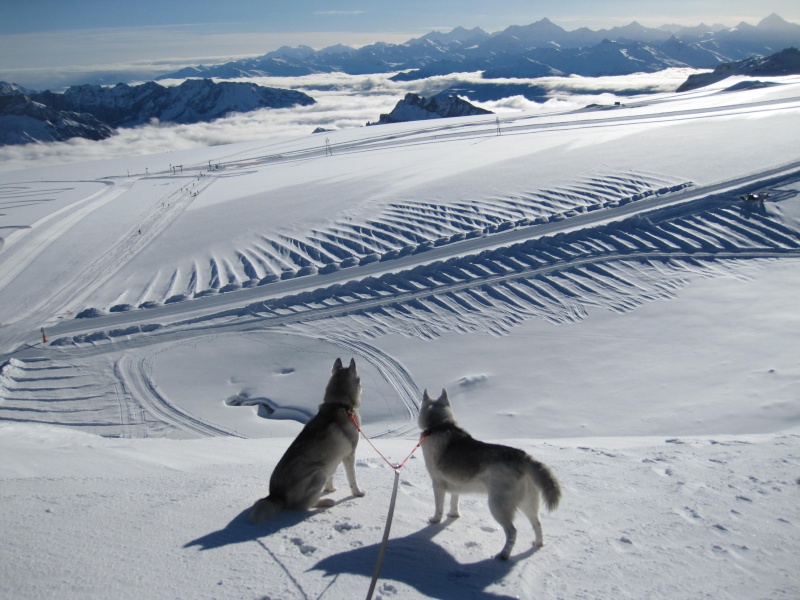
239, 530
418, 562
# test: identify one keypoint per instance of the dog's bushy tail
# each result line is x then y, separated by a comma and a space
547, 482
265, 509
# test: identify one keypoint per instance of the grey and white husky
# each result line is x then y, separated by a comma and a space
458, 463
329, 438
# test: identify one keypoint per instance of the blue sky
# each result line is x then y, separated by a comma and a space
40, 36
18, 16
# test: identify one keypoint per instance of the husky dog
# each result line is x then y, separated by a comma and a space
458, 463
329, 438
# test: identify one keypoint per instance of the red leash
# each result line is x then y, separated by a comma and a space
388, 462
382, 550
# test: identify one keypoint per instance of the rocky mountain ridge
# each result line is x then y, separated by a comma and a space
541, 48
23, 121
93, 111
785, 62
416, 108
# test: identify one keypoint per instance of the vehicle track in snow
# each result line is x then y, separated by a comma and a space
211, 307
394, 374
135, 374
488, 127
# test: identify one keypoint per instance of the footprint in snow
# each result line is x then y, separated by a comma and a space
689, 514
345, 527
623, 544
305, 549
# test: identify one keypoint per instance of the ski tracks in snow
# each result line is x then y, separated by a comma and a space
135, 374
394, 373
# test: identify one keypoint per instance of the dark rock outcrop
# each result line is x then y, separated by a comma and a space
416, 108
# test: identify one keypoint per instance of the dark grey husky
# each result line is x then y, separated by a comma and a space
329, 438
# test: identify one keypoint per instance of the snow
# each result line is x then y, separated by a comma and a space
587, 286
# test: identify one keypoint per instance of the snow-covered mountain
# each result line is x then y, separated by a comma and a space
583, 51
23, 121
193, 101
8, 89
93, 111
785, 62
416, 108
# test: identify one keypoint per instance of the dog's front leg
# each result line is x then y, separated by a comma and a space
329, 487
349, 463
454, 506
438, 499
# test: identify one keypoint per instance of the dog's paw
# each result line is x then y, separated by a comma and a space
538, 544
453, 515
358, 493
325, 503
435, 519
329, 489
503, 556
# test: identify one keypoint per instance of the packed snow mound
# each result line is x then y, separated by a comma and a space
785, 62
416, 108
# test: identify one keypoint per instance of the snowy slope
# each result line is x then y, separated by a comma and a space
588, 286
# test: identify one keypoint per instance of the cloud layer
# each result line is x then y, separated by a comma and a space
343, 102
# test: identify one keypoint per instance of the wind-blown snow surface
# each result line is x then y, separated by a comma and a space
588, 287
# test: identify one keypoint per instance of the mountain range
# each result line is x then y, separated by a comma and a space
93, 111
539, 49
518, 52
785, 62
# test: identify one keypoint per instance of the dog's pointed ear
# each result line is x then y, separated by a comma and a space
425, 396
337, 365
352, 366
443, 398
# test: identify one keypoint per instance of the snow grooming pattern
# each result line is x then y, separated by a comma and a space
403, 228
55, 393
394, 374
618, 266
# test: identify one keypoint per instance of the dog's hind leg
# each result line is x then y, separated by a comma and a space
530, 507
503, 512
349, 463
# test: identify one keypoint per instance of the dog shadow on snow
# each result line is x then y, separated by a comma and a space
420, 563
239, 530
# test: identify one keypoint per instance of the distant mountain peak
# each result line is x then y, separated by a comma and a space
520, 51
776, 22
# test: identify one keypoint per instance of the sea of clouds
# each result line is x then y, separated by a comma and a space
343, 101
